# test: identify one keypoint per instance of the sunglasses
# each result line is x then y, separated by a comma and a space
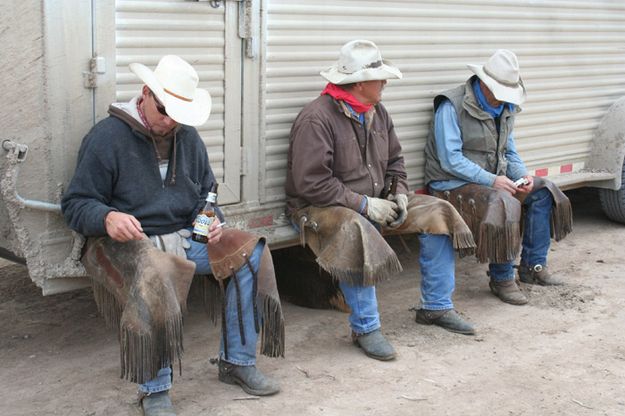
159, 106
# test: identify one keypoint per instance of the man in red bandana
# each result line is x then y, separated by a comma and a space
346, 186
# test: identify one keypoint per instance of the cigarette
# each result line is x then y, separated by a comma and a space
221, 224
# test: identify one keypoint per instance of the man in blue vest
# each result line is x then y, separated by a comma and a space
472, 161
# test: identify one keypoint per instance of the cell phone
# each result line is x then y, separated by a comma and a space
521, 182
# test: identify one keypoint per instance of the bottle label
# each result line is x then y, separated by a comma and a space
211, 197
202, 222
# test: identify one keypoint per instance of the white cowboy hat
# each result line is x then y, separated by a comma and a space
360, 60
174, 82
501, 75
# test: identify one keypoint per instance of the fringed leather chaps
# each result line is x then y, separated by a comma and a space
142, 292
226, 258
347, 245
561, 213
430, 215
494, 218
351, 249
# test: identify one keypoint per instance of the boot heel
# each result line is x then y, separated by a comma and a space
225, 378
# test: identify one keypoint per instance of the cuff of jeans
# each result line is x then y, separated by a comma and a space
246, 363
152, 390
366, 330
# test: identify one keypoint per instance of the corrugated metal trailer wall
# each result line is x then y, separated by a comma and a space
571, 55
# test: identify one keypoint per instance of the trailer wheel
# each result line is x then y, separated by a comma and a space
613, 202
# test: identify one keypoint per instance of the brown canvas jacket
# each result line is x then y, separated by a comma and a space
334, 160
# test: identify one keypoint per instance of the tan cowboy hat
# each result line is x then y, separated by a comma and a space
501, 75
360, 60
174, 82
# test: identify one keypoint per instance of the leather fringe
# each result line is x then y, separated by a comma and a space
371, 274
491, 217
497, 244
211, 297
143, 354
561, 219
140, 355
107, 305
272, 331
463, 243
141, 292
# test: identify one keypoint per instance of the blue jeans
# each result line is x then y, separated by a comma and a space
536, 235
364, 316
244, 355
437, 263
436, 259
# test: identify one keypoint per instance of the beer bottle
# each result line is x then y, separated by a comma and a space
391, 189
205, 217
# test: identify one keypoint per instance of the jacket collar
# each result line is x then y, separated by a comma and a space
347, 112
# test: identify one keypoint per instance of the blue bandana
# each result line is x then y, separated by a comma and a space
481, 99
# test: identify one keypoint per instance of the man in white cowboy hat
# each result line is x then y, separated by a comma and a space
346, 185
472, 161
144, 172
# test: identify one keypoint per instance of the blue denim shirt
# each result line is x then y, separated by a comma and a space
449, 148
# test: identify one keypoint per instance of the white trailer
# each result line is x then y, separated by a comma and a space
64, 61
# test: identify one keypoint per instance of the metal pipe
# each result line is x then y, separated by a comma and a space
39, 205
18, 154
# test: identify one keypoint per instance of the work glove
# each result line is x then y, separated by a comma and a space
381, 210
173, 243
402, 209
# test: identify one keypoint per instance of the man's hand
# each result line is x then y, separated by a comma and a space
381, 210
526, 189
123, 227
504, 184
214, 232
402, 204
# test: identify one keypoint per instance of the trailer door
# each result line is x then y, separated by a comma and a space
205, 36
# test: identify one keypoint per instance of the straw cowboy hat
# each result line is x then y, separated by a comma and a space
360, 60
501, 75
174, 82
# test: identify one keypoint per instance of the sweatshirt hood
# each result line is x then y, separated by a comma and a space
129, 114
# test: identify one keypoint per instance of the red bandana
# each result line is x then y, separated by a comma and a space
339, 93
143, 118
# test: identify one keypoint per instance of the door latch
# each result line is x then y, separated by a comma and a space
97, 65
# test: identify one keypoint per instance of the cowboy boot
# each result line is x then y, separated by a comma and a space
374, 345
157, 404
537, 274
251, 380
447, 319
508, 291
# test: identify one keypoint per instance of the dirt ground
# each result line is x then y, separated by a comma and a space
562, 354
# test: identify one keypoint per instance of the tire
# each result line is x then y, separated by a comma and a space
613, 202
